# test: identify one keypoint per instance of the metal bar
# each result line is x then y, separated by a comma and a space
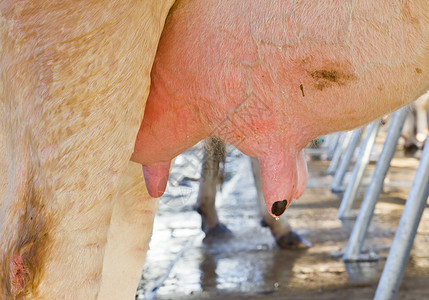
366, 211
358, 170
399, 254
333, 142
337, 184
342, 144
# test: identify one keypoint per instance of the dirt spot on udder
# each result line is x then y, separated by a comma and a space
326, 78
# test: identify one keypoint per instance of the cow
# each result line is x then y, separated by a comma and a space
212, 176
266, 76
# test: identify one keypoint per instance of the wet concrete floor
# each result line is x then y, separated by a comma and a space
249, 265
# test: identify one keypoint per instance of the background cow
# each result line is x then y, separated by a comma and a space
415, 130
212, 176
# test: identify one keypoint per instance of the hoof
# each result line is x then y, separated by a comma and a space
292, 241
219, 232
410, 149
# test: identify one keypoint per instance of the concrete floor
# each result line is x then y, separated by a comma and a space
250, 265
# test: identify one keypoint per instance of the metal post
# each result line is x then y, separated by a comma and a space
337, 184
333, 142
366, 211
358, 170
394, 268
342, 144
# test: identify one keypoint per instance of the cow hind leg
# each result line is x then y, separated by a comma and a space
409, 132
72, 114
128, 237
281, 230
421, 105
210, 178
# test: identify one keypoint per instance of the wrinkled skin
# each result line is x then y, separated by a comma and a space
211, 177
75, 217
269, 76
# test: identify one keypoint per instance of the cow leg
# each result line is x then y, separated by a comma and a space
408, 132
210, 178
280, 229
128, 238
421, 105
